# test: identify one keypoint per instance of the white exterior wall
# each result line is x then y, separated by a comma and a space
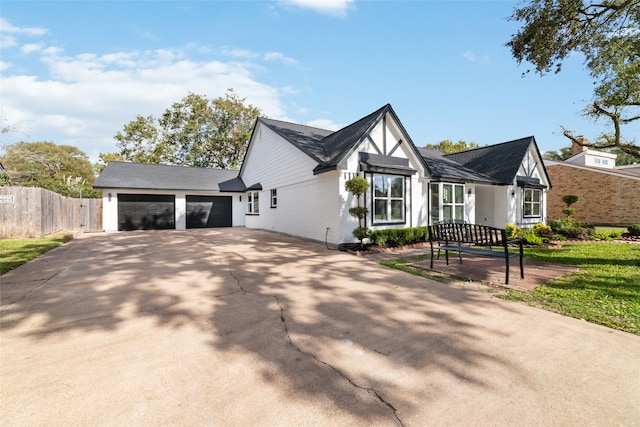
308, 204
110, 207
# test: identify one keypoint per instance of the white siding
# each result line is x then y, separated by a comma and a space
273, 162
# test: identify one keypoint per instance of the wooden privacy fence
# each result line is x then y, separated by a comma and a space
35, 212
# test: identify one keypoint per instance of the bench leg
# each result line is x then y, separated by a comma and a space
506, 280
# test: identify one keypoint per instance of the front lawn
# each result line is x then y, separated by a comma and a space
15, 252
604, 290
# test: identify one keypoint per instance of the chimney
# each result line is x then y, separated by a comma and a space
577, 148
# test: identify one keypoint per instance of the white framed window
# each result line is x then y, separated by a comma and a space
388, 199
532, 202
274, 198
447, 202
253, 202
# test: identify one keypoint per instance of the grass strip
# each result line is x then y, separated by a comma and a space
15, 252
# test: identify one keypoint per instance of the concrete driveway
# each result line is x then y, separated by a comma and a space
236, 327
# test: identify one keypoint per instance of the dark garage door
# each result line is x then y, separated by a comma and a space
208, 211
146, 212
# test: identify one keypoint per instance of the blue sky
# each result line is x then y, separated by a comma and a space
76, 72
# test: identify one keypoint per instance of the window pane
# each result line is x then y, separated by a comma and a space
527, 195
459, 194
380, 209
536, 195
527, 209
446, 212
447, 195
435, 203
535, 209
256, 205
380, 184
397, 210
459, 212
397, 186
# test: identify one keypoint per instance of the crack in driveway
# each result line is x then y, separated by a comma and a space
370, 390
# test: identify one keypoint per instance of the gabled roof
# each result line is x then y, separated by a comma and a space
443, 169
329, 148
500, 162
163, 177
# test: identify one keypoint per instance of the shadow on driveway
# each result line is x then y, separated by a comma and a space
237, 327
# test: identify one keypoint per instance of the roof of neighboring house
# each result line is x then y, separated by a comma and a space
500, 162
163, 177
444, 169
609, 171
329, 148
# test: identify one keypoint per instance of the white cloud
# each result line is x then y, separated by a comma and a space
4, 65
472, 57
324, 124
6, 27
278, 56
90, 97
239, 53
30, 48
328, 7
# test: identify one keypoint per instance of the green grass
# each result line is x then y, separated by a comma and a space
15, 252
604, 290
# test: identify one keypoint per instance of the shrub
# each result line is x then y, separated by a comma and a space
399, 236
529, 237
576, 233
571, 228
568, 211
615, 234
512, 231
569, 199
543, 231
360, 233
602, 236
634, 229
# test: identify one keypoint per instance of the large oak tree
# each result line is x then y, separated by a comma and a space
193, 132
607, 34
61, 168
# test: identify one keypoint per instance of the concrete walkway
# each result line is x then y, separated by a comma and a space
235, 327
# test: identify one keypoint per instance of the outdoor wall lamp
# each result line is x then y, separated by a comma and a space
240, 198
109, 196
513, 194
469, 192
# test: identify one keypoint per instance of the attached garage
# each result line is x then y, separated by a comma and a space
139, 196
209, 211
146, 212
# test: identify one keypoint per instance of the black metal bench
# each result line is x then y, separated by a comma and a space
474, 239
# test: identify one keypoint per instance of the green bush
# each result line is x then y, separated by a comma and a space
399, 236
571, 228
615, 234
576, 233
543, 231
512, 231
530, 237
634, 229
360, 233
602, 236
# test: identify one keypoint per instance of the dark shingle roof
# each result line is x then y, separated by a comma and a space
162, 177
306, 138
500, 162
443, 169
329, 148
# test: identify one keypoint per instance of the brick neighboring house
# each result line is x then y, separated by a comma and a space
608, 195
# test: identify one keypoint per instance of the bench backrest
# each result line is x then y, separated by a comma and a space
481, 235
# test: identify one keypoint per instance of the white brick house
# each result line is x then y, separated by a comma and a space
292, 181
